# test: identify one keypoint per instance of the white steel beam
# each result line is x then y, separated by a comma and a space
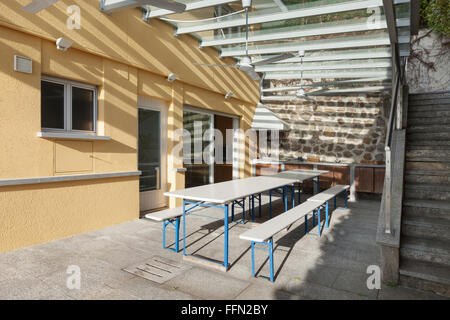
191, 6
312, 45
328, 83
109, 6
336, 55
319, 9
325, 74
379, 63
305, 31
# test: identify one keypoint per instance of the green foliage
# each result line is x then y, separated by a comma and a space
435, 14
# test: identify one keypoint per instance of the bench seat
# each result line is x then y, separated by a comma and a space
271, 227
166, 214
328, 194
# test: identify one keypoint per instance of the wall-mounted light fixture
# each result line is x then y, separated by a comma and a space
172, 77
63, 44
228, 95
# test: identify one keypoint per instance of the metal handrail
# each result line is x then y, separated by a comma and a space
387, 148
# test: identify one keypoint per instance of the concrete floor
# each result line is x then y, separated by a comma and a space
332, 266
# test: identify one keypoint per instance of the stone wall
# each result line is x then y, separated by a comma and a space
429, 63
346, 129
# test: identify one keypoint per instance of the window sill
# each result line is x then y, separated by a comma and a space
71, 135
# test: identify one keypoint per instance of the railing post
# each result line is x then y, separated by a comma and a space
387, 198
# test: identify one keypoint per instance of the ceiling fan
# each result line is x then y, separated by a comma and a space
245, 64
301, 93
39, 5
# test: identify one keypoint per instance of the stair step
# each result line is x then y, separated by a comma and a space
426, 227
425, 276
427, 128
445, 135
429, 95
421, 249
441, 155
428, 114
427, 192
428, 143
424, 108
427, 121
430, 102
421, 165
427, 177
428, 147
430, 204
421, 212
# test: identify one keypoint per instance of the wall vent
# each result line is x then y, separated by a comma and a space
23, 64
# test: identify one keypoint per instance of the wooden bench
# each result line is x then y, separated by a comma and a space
263, 234
168, 217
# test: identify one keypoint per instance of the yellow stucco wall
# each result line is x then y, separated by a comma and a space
125, 58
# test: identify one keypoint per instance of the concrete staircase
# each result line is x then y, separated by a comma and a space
425, 238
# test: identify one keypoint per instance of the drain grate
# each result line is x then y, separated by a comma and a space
157, 269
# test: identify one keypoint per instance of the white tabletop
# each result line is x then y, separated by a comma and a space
225, 192
299, 174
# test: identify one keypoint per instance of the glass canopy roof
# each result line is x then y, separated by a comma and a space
346, 43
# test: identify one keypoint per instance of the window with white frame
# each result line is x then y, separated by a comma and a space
68, 106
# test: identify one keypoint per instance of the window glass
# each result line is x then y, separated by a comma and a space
52, 105
82, 109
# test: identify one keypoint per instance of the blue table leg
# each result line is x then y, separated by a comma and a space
299, 194
285, 198
232, 211
243, 210
253, 207
293, 195
270, 204
314, 218
260, 205
345, 197
225, 254
184, 227
177, 234
318, 219
334, 202
326, 213
306, 224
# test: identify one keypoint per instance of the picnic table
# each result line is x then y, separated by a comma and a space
221, 195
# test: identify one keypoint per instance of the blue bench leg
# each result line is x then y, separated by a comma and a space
253, 259
326, 215
184, 227
271, 258
225, 254
260, 205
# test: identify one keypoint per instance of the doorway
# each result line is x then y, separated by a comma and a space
152, 146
